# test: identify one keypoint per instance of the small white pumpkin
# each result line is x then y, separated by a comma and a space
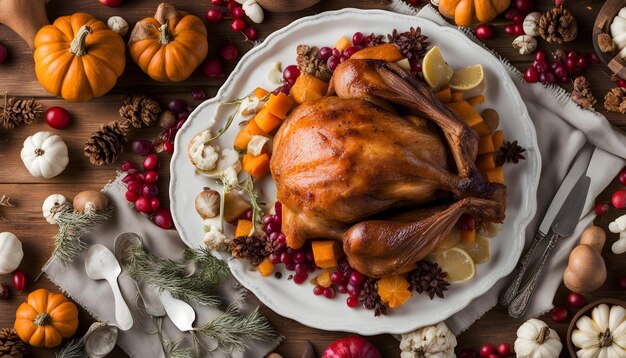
44, 155
536, 340
603, 334
11, 252
253, 10
431, 341
54, 201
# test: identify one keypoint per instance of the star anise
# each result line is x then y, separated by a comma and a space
412, 44
428, 277
372, 40
510, 152
370, 298
250, 248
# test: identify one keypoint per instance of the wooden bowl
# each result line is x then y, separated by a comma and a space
286, 5
602, 24
587, 311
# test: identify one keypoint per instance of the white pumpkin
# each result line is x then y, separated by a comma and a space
431, 341
618, 32
11, 252
536, 340
44, 155
603, 334
54, 201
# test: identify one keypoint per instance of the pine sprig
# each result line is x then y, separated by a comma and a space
169, 275
72, 226
73, 349
257, 211
176, 349
234, 332
208, 267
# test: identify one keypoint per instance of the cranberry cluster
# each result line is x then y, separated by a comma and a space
560, 314
343, 280
565, 65
165, 143
290, 75
516, 13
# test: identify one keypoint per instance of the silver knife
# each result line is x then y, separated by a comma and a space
578, 168
563, 226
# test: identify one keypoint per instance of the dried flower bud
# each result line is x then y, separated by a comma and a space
525, 44
208, 203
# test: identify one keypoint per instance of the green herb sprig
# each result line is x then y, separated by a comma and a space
73, 349
208, 267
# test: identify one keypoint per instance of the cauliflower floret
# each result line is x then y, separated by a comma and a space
202, 155
214, 239
229, 177
256, 144
251, 105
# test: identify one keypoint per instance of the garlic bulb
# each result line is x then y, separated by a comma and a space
253, 10
525, 44
118, 24
274, 74
531, 24
52, 207
603, 334
618, 32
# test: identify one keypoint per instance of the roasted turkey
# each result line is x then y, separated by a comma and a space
380, 141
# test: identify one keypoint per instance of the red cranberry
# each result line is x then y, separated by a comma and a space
518, 30
342, 288
467, 222
356, 278
621, 83
336, 52
163, 219
622, 176
155, 204
621, 283
214, 16
318, 290
582, 62
142, 147
291, 73
135, 186
352, 301
541, 66
518, 19
291, 266
177, 106
548, 77
56, 117
572, 54
416, 67
486, 350
483, 31
601, 208
151, 162
540, 55
333, 62
570, 64
19, 280
168, 147
250, 33
324, 53
198, 94
274, 258
286, 257
350, 50
336, 278
302, 268
619, 199
531, 75
212, 67
237, 25
593, 58
575, 300
494, 355
525, 6
229, 52
299, 256
217, 2
247, 215
237, 13
131, 196
561, 72
510, 13
343, 59
111, 3
559, 314
353, 290
150, 190
504, 349
232, 5
3, 53
357, 38
329, 292
142, 204
126, 165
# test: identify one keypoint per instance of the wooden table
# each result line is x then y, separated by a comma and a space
17, 77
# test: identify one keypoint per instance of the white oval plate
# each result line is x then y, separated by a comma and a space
297, 301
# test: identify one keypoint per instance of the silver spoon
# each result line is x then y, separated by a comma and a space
101, 264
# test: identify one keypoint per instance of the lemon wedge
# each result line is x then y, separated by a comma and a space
467, 79
457, 263
479, 250
436, 71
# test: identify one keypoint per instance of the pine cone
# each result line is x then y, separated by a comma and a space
428, 277
11, 346
309, 62
615, 100
250, 248
581, 93
370, 298
140, 110
105, 145
558, 25
19, 111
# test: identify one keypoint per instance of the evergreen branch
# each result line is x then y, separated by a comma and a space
208, 267
73, 349
257, 211
175, 349
169, 275
72, 226
234, 332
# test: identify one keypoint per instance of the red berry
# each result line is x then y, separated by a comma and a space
559, 314
509, 30
212, 67
467, 353
142, 204
353, 290
149, 190
593, 58
575, 300
621, 282
151, 176
510, 13
350, 50
19, 280
151, 162
582, 62
518, 30
299, 278
135, 186
357, 38
142, 147
131, 196
601, 208
217, 2
336, 52
619, 199
237, 13
163, 219
416, 67
540, 56
467, 222
483, 31
168, 147
274, 258
504, 349
356, 278
622, 176
155, 204
531, 75
332, 62
518, 19
352, 301
232, 5
299, 256
342, 288
214, 16
250, 33
111, 3
318, 290
229, 52
286, 257
329, 292
572, 54
198, 94
56, 117
486, 350
324, 53
336, 278
547, 77
3, 53
126, 165
237, 25
177, 106
621, 83
247, 215
291, 73
525, 6
570, 64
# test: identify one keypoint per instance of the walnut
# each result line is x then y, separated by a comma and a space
615, 100
558, 25
309, 62
581, 93
606, 43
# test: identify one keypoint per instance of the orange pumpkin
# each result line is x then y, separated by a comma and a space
78, 57
468, 12
45, 319
170, 45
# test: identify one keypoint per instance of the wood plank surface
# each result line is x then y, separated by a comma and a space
17, 77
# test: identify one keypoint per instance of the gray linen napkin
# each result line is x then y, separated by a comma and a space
97, 298
562, 129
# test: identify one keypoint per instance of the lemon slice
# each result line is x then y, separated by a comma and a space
479, 250
457, 263
436, 71
468, 78
449, 242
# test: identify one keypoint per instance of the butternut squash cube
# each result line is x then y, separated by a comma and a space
307, 88
465, 111
244, 227
476, 100
267, 121
256, 165
343, 43
485, 145
444, 95
495, 175
326, 253
456, 97
266, 267
485, 162
498, 139
260, 92
468, 236
279, 105
245, 135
